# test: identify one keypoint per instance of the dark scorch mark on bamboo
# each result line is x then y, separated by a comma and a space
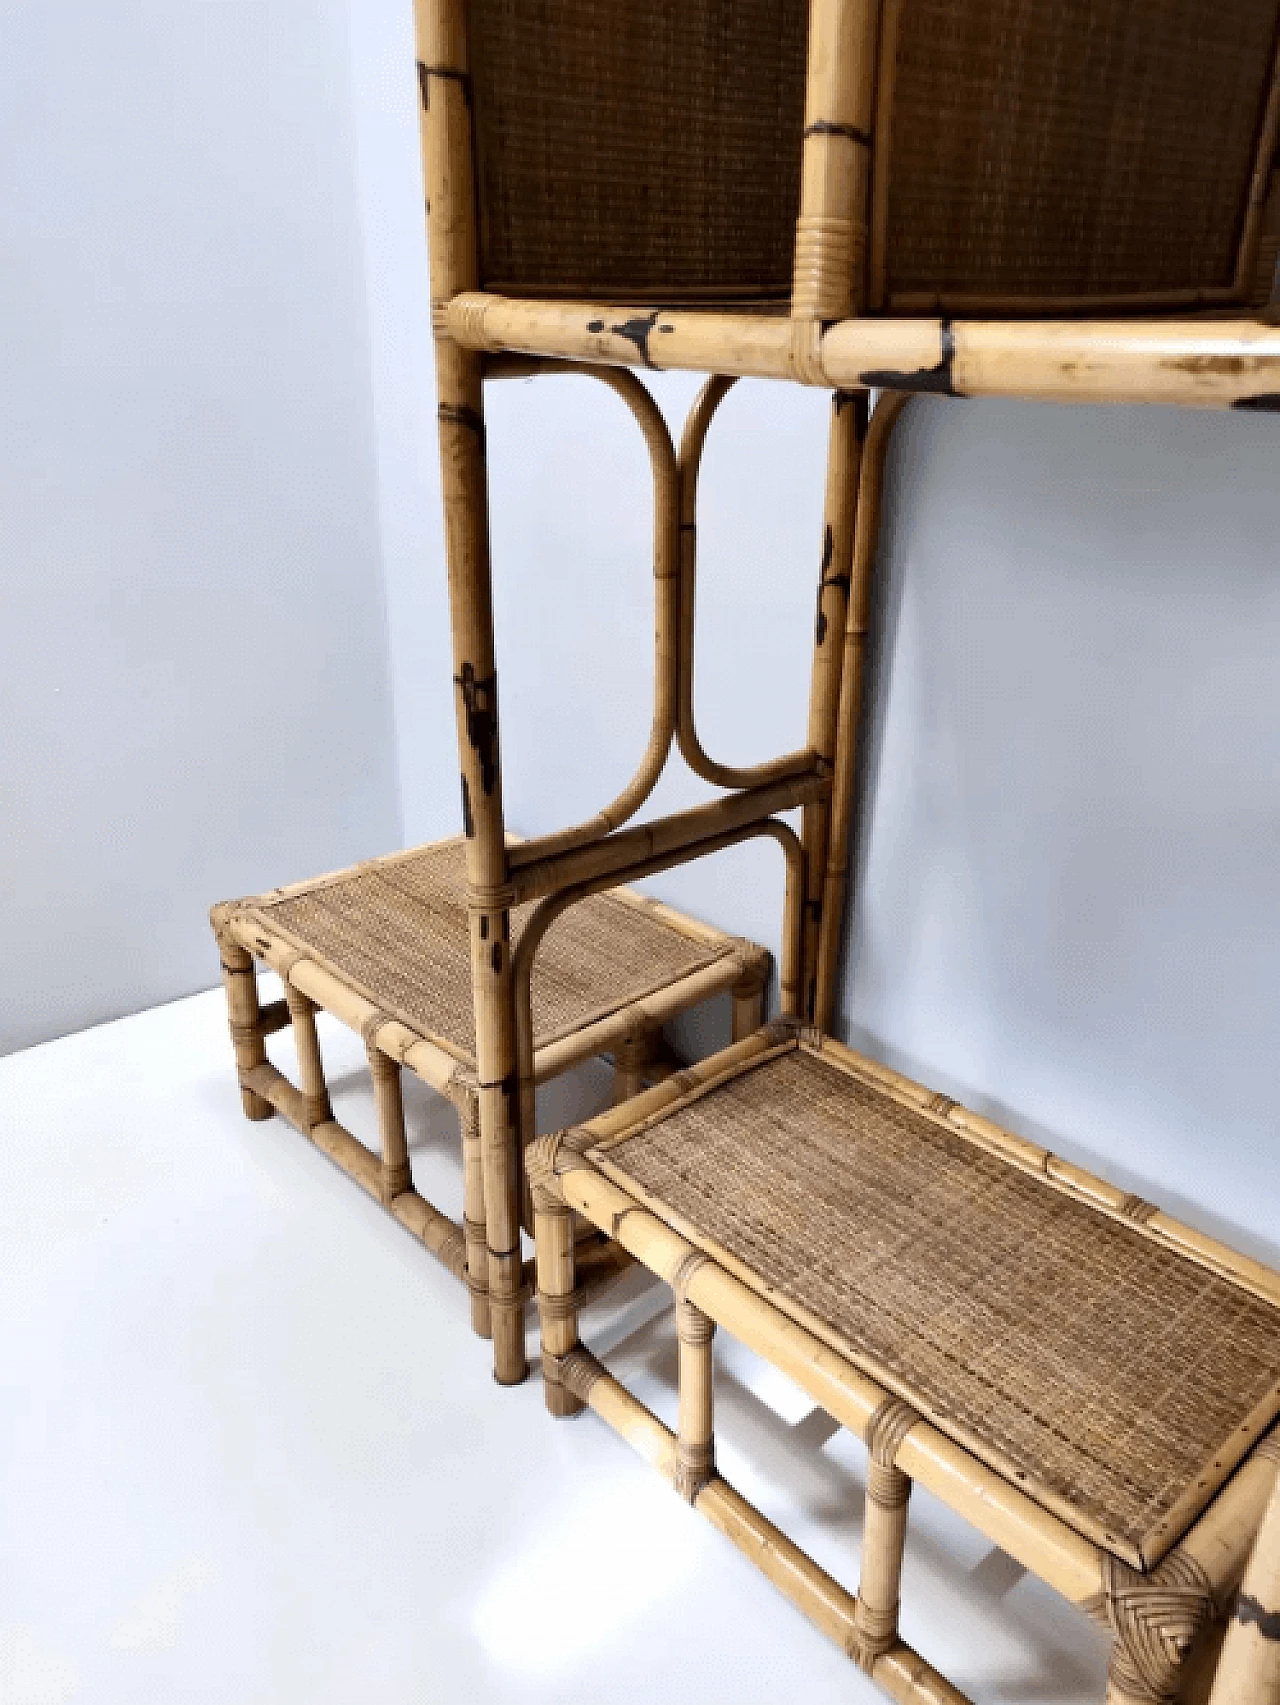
840, 580
454, 414
824, 127
1267, 402
1250, 1613
468, 821
480, 699
937, 381
638, 330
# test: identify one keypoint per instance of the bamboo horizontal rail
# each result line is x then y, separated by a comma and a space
1196, 363
551, 908
439, 1234
533, 875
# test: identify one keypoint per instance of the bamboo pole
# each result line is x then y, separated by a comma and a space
695, 1439
244, 1015
315, 1092
622, 854
834, 850
1249, 1671
831, 231
884, 1532
830, 660
1194, 363
451, 218
749, 991
473, 1220
397, 1174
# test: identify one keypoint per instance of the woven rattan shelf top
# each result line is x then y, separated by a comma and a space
395, 931
1109, 1375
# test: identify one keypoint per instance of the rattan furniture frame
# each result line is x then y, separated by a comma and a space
956, 198
984, 1315
381, 946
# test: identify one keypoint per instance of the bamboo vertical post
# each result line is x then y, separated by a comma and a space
630, 1056
844, 460
557, 1295
397, 1175
1249, 1671
831, 231
473, 1220
315, 1092
451, 216
695, 1438
875, 1619
747, 995
844, 779
244, 1020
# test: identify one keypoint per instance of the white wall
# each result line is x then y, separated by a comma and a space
193, 681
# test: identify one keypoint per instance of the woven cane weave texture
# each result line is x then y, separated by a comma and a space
641, 150
1077, 1356
1048, 148
397, 933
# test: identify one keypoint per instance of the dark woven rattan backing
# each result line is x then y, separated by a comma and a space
1057, 148
397, 933
638, 149
1076, 1355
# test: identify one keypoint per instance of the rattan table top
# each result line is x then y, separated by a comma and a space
396, 932
1109, 1376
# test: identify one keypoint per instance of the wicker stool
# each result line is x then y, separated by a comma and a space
384, 947
1093, 1385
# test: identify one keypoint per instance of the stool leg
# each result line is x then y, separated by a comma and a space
630, 1056
748, 994
397, 1174
695, 1445
557, 1297
244, 1019
302, 1010
473, 1224
884, 1534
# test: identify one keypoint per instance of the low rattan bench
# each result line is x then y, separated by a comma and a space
1089, 1382
384, 946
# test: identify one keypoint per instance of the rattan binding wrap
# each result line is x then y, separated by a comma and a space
1068, 149
639, 152
397, 932
1093, 1367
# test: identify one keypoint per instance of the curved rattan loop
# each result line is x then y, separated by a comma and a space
666, 578
548, 910
692, 750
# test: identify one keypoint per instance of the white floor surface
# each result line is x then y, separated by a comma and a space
250, 1453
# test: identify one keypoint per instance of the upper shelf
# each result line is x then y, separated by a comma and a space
1077, 200
960, 157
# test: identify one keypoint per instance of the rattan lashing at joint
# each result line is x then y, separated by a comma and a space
1155, 1619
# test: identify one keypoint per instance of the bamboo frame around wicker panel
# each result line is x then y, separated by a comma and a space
1160, 1621
1213, 363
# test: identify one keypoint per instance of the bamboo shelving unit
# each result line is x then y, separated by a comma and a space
948, 198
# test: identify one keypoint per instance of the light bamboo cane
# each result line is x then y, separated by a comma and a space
1249, 1671
835, 847
692, 443
451, 217
1205, 363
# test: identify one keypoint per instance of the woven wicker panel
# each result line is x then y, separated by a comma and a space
397, 933
1048, 148
641, 150
1079, 1357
